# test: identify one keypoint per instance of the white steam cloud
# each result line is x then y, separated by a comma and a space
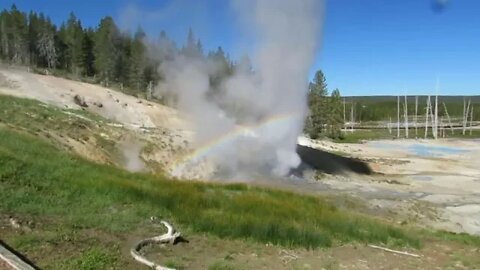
285, 41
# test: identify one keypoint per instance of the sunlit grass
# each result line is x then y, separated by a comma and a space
42, 180
360, 135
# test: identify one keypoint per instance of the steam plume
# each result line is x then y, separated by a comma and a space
286, 36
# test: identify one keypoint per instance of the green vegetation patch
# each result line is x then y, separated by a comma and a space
41, 180
91, 259
29, 113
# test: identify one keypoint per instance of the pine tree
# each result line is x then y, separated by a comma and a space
222, 68
123, 49
88, 58
199, 47
4, 34
319, 85
74, 40
18, 36
63, 53
34, 24
166, 48
191, 49
244, 65
105, 50
317, 120
335, 119
137, 61
45, 45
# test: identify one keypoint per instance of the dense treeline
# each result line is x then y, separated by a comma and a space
131, 62
104, 53
371, 109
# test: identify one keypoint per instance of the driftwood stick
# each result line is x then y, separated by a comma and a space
395, 251
169, 237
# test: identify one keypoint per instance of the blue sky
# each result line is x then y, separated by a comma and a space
369, 47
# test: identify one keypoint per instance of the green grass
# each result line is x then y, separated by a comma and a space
91, 259
174, 264
360, 135
58, 125
221, 265
41, 180
89, 209
44, 120
364, 134
462, 238
32, 114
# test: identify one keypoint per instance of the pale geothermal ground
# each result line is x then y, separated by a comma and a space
425, 182
433, 183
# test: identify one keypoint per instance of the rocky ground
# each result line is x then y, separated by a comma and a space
432, 183
147, 136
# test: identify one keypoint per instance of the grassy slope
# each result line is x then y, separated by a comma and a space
42, 180
81, 206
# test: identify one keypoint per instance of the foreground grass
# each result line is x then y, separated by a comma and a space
85, 213
33, 116
41, 181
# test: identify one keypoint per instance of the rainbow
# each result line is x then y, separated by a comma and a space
229, 138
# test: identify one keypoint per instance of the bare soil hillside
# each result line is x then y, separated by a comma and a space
141, 135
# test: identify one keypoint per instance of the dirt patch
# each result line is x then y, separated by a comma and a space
203, 252
151, 125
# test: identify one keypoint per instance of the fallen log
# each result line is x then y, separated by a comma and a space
395, 251
169, 237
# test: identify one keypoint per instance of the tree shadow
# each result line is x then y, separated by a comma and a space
330, 163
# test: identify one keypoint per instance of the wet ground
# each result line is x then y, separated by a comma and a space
430, 183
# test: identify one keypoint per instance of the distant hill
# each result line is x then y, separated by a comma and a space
375, 108
421, 99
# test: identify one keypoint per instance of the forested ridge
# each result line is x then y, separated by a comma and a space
130, 61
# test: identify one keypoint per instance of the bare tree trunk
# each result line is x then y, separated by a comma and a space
471, 120
398, 116
389, 126
426, 116
406, 117
436, 112
442, 127
149, 90
465, 117
351, 117
416, 116
448, 117
432, 116
344, 116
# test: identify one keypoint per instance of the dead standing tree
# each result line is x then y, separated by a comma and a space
471, 120
416, 116
465, 116
448, 117
427, 110
406, 116
398, 116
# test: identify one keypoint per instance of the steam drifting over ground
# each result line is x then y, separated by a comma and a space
268, 104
